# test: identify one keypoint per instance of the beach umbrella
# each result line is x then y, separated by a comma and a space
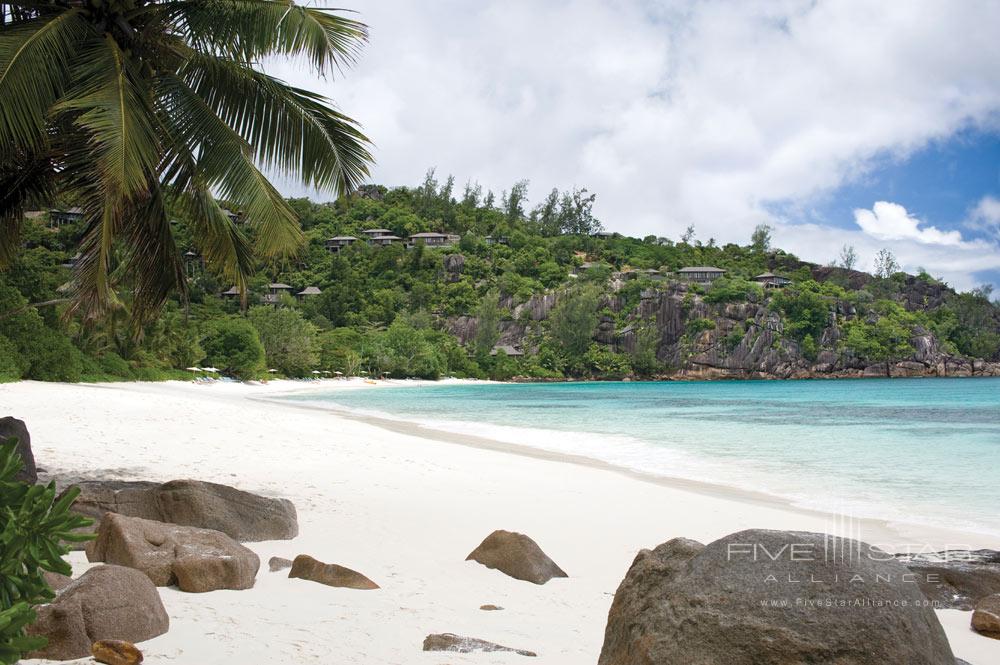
315, 371
339, 373
194, 369
210, 369
272, 371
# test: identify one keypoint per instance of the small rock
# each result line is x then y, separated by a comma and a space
956, 579
307, 568
116, 652
459, 644
986, 617
278, 563
490, 608
516, 555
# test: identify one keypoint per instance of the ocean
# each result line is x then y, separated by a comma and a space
921, 451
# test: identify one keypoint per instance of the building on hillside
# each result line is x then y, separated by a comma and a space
771, 281
274, 292
701, 274
233, 216
233, 292
193, 263
374, 233
433, 239
383, 241
496, 240
59, 217
307, 292
337, 243
507, 350
71, 261
603, 235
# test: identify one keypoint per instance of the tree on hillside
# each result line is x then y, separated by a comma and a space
688, 235
576, 212
487, 322
233, 345
848, 257
574, 319
885, 264
760, 240
127, 109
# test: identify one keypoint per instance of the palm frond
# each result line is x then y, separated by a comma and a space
111, 105
223, 161
292, 131
153, 264
35, 58
225, 247
249, 30
26, 179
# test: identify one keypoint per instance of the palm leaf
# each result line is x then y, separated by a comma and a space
35, 59
292, 131
224, 163
249, 30
225, 248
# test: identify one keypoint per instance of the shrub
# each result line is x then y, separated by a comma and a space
233, 346
12, 363
31, 541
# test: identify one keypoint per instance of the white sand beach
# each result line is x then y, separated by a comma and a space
404, 508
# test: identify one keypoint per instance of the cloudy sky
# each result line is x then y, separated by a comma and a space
875, 124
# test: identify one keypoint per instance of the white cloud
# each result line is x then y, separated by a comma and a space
891, 221
986, 215
675, 113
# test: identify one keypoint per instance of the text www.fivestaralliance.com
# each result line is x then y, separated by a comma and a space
846, 603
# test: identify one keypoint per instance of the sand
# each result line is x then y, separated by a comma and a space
404, 506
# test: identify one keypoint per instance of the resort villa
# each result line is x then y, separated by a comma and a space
383, 241
376, 233
307, 292
701, 274
771, 281
274, 292
337, 243
432, 239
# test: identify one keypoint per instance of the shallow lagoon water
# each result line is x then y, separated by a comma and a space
923, 451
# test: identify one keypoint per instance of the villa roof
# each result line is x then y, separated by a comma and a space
701, 269
378, 231
278, 285
386, 237
428, 234
310, 291
342, 238
233, 291
769, 275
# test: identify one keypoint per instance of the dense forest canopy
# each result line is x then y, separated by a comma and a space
518, 290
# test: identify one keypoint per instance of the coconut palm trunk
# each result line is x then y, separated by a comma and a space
131, 108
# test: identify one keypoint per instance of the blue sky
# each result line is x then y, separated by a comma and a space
874, 125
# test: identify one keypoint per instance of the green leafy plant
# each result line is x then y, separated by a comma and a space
35, 525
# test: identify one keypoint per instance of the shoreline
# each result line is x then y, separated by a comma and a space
889, 531
400, 507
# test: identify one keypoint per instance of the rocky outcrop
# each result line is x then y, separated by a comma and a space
771, 598
516, 555
12, 428
459, 644
956, 579
116, 652
56, 581
241, 515
307, 568
106, 603
196, 560
986, 617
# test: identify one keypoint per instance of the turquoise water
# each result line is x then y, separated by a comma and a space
914, 450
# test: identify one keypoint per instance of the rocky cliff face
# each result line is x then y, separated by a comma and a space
746, 340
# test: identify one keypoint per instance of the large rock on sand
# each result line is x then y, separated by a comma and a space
986, 617
517, 555
307, 568
241, 515
106, 603
956, 579
12, 428
196, 560
771, 598
460, 644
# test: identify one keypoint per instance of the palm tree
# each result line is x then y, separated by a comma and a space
130, 107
